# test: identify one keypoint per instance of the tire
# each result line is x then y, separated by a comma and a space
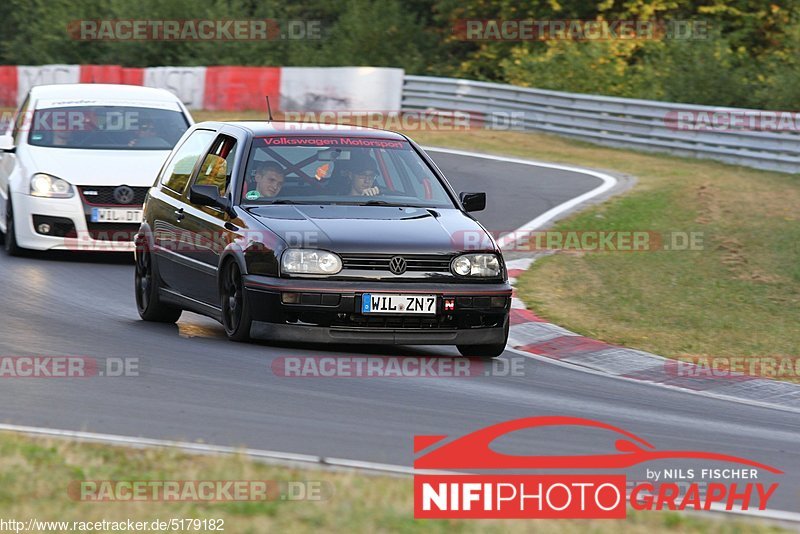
484, 352
146, 284
236, 316
10, 240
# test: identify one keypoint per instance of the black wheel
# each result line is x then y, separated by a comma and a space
484, 352
236, 316
10, 241
146, 282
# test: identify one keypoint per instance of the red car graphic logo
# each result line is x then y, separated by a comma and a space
473, 450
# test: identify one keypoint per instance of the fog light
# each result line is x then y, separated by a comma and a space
498, 302
290, 298
449, 304
43, 228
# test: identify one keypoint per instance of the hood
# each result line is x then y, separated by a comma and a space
136, 168
375, 229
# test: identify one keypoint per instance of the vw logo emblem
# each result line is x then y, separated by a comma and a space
397, 265
123, 194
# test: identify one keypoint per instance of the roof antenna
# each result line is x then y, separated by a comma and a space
269, 109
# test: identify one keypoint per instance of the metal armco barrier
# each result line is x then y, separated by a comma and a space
753, 138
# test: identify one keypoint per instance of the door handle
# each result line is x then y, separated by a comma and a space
179, 215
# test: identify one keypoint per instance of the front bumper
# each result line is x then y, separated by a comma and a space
79, 236
330, 311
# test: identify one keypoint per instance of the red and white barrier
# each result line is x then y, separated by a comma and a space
341, 89
111, 74
229, 88
8, 86
27, 77
234, 88
187, 83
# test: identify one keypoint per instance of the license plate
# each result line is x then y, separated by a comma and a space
401, 304
116, 215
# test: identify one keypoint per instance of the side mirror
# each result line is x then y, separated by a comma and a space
7, 143
473, 201
208, 195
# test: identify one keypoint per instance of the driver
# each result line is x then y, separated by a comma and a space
269, 177
361, 174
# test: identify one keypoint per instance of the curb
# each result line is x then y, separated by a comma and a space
531, 334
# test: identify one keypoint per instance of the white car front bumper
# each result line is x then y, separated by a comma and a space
26, 206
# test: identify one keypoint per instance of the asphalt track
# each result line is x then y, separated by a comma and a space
193, 384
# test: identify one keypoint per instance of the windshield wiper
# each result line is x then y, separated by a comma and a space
385, 203
284, 201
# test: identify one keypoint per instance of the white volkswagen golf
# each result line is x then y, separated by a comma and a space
77, 162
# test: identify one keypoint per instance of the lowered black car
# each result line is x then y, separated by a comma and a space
319, 233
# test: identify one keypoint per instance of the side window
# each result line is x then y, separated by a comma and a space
177, 172
217, 166
19, 120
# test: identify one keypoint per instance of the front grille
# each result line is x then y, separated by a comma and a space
116, 232
380, 262
394, 322
105, 196
465, 319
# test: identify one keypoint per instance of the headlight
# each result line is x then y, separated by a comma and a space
478, 265
44, 185
310, 261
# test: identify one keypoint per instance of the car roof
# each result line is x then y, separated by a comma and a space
270, 128
90, 91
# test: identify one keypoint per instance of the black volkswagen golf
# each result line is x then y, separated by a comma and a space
319, 233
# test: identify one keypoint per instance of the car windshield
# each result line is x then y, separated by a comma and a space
340, 170
107, 127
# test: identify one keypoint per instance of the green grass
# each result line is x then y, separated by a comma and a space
35, 474
738, 297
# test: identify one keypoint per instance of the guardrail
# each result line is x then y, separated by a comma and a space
754, 138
